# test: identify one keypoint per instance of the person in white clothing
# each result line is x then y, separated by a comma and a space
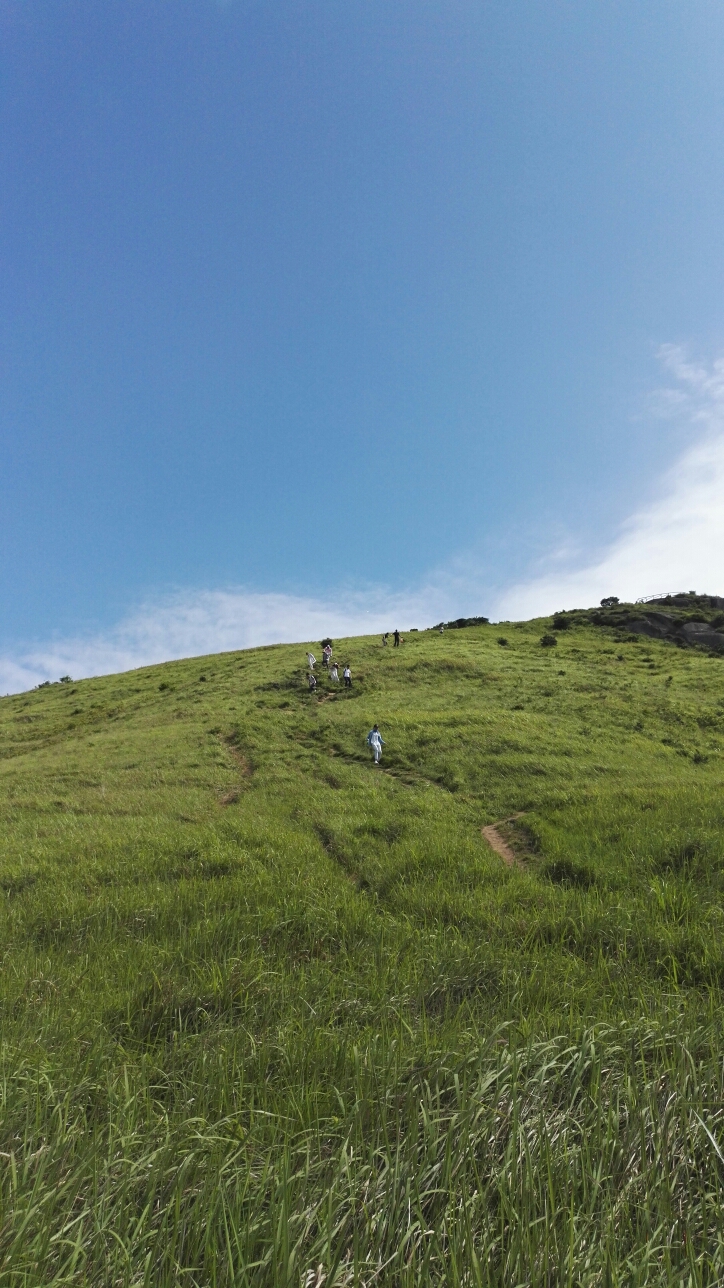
347, 677
375, 741
311, 660
333, 673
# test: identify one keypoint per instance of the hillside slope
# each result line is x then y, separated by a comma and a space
274, 1016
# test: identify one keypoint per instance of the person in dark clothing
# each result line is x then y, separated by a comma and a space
397, 639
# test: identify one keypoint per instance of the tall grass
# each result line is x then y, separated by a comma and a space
584, 1161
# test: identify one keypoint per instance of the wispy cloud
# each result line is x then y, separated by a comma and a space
674, 542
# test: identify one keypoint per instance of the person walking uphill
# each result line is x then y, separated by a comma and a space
397, 639
375, 741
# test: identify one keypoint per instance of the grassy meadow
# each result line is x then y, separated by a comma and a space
273, 1016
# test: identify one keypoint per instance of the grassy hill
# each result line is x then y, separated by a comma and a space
272, 1016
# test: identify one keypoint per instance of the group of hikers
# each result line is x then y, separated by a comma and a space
331, 667
374, 739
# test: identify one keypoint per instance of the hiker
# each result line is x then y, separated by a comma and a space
333, 672
384, 639
327, 654
311, 660
375, 741
312, 682
442, 629
397, 639
347, 677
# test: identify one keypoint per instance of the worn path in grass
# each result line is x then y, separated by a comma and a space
499, 844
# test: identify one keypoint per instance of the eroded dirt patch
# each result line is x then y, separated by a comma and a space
499, 837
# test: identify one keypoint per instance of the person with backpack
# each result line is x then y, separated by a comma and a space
312, 682
375, 741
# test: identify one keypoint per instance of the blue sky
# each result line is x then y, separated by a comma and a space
363, 308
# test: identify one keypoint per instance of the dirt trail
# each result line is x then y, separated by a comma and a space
228, 742
497, 842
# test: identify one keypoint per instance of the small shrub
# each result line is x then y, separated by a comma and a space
561, 623
163, 686
548, 641
65, 679
609, 601
502, 641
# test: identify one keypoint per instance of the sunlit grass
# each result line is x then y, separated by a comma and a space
272, 1016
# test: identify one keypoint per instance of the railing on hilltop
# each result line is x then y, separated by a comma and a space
667, 594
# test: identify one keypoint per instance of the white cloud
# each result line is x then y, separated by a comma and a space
675, 542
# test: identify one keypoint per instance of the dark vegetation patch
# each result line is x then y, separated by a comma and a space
389, 832
285, 684
163, 1012
459, 982
334, 846
567, 872
12, 886
689, 858
460, 623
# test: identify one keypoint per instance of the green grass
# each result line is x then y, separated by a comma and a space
272, 1016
